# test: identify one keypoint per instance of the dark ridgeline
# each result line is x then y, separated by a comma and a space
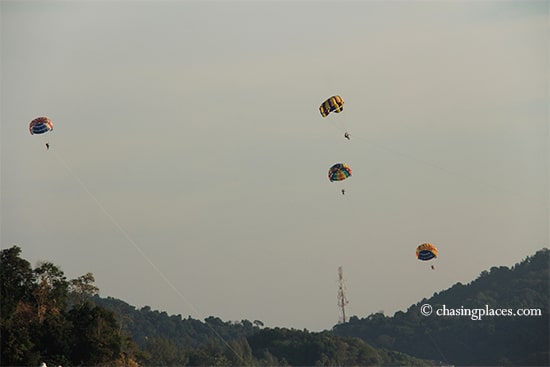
47, 318
460, 340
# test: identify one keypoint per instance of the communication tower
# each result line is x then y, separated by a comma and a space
342, 299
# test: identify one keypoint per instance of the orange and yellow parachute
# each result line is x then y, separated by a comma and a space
426, 251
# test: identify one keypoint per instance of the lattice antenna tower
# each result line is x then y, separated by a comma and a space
342, 299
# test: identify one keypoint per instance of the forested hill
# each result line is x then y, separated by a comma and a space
47, 318
473, 324
173, 340
146, 325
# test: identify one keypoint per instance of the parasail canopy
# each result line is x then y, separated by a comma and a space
426, 251
40, 125
333, 104
339, 172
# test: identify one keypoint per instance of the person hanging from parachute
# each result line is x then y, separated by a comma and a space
427, 251
39, 126
333, 104
339, 172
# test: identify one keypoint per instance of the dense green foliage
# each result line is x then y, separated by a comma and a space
173, 340
278, 347
303, 348
461, 340
40, 321
145, 324
45, 317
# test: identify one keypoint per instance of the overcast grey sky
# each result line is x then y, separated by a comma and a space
188, 162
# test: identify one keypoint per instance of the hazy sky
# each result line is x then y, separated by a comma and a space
188, 162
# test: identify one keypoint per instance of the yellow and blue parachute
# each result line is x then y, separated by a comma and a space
40, 125
339, 172
333, 104
426, 251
